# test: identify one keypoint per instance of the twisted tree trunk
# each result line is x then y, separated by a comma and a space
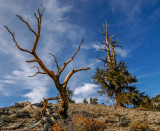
61, 87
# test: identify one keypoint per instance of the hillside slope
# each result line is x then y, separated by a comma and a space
26, 116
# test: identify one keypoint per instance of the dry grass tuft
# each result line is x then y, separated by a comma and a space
81, 123
57, 127
87, 123
138, 125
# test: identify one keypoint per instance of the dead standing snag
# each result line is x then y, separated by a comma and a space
61, 87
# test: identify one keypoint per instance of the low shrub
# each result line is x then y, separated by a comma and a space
79, 123
86, 123
139, 125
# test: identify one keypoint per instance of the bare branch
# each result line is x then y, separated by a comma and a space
56, 60
34, 60
104, 60
77, 50
65, 64
115, 45
13, 34
71, 73
107, 44
101, 32
37, 74
45, 102
54, 98
101, 42
35, 15
106, 26
36, 67
118, 46
39, 12
104, 49
39, 18
112, 36
26, 22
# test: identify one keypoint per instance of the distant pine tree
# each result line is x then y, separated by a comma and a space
85, 101
93, 100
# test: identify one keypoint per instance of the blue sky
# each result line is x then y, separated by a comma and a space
64, 24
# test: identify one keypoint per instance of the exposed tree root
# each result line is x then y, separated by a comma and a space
46, 124
13, 127
34, 125
45, 110
45, 102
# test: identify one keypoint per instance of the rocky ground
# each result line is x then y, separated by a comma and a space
82, 117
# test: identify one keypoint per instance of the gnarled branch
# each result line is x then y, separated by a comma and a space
39, 18
112, 36
13, 36
101, 42
45, 102
101, 32
26, 22
39, 72
107, 43
71, 73
65, 64
104, 60
106, 26
104, 49
34, 60
56, 60
33, 52
36, 67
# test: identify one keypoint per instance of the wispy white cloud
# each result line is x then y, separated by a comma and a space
129, 8
122, 52
147, 75
3, 90
155, 15
7, 81
37, 85
37, 94
97, 47
85, 90
57, 22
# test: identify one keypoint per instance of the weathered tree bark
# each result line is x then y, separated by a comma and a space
118, 101
61, 87
62, 111
107, 44
113, 54
12, 127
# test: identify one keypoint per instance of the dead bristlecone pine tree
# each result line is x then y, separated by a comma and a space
61, 87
